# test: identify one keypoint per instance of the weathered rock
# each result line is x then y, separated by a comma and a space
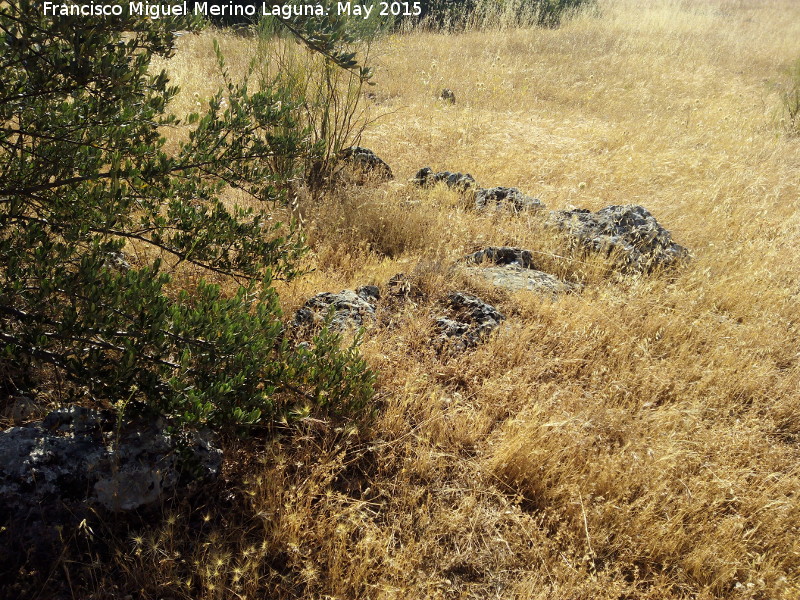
366, 161
505, 198
117, 261
351, 309
56, 474
496, 197
426, 178
629, 234
474, 310
400, 284
513, 269
81, 457
452, 329
448, 96
502, 255
473, 320
516, 279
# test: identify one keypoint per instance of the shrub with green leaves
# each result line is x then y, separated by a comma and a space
84, 176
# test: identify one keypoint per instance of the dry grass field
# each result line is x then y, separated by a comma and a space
639, 440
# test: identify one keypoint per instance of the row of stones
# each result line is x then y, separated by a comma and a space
628, 235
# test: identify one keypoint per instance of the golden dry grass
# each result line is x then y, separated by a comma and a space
636, 441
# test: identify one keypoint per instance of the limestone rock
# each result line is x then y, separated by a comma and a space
504, 197
426, 178
80, 456
470, 321
629, 234
58, 472
484, 198
351, 309
516, 279
367, 162
502, 255
513, 269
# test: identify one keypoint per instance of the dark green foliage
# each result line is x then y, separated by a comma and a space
458, 14
84, 175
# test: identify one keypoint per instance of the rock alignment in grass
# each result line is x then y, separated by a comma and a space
463, 322
628, 234
484, 198
351, 309
366, 161
470, 321
513, 269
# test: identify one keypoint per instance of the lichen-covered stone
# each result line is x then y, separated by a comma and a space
351, 309
57, 474
502, 255
628, 234
470, 321
515, 279
513, 269
460, 182
505, 198
366, 161
83, 456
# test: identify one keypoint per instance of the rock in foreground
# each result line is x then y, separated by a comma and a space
58, 473
81, 456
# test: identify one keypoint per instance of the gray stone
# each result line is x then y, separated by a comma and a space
366, 161
351, 309
628, 234
502, 255
58, 474
82, 457
470, 322
513, 269
450, 328
515, 279
460, 182
117, 261
505, 198
484, 198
